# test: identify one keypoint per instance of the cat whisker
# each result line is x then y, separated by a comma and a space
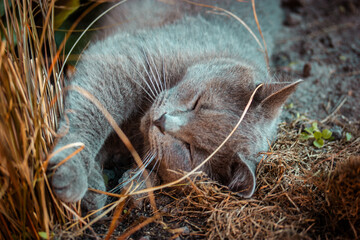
145, 162
157, 160
148, 74
136, 135
159, 78
151, 170
164, 74
149, 161
156, 164
141, 110
151, 66
158, 82
153, 95
153, 88
138, 171
147, 99
160, 100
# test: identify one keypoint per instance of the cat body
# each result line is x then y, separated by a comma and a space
177, 78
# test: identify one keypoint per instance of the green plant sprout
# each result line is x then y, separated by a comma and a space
44, 235
289, 106
348, 136
319, 137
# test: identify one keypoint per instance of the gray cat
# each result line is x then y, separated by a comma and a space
177, 78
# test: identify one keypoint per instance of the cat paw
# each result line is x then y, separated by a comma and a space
93, 200
69, 180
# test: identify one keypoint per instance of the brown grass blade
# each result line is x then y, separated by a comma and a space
266, 55
138, 227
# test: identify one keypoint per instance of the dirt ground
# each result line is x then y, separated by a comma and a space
320, 43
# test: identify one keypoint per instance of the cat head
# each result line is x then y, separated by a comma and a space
187, 122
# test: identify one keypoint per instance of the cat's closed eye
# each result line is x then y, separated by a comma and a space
197, 104
188, 147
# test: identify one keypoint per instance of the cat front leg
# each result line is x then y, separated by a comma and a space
69, 179
86, 125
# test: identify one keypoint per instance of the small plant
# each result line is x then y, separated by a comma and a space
348, 136
319, 137
289, 106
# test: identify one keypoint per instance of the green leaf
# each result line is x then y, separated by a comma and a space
106, 179
326, 134
63, 9
289, 106
291, 64
317, 135
315, 126
43, 235
348, 136
2, 7
343, 58
305, 136
319, 143
310, 130
342, 9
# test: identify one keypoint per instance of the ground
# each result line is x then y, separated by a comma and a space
320, 43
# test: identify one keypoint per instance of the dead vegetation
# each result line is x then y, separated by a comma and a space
30, 102
302, 192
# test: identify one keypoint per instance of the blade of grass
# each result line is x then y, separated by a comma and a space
231, 15
138, 227
266, 56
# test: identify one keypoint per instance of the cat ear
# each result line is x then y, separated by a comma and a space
243, 178
273, 96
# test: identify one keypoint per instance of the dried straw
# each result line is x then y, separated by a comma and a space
31, 101
300, 194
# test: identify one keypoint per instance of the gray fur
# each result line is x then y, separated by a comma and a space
160, 65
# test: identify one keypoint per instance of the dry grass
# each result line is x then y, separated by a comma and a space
303, 193
28, 117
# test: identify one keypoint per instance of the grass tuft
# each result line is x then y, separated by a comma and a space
302, 192
29, 111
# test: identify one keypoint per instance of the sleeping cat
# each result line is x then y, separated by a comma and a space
176, 77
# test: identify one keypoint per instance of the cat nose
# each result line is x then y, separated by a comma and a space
160, 123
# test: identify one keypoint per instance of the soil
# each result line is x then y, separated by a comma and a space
320, 43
